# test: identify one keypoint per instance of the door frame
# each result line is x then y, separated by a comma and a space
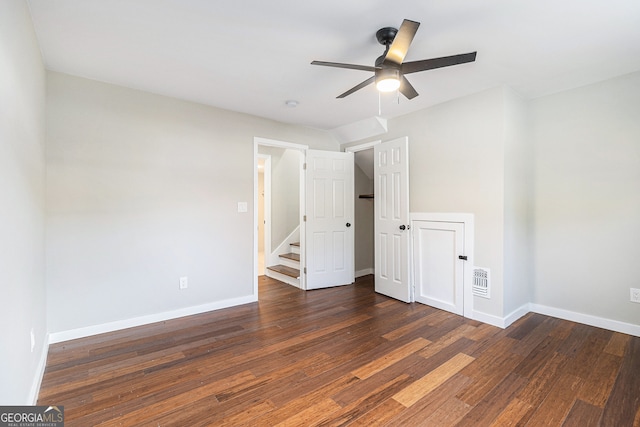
467, 220
257, 142
267, 206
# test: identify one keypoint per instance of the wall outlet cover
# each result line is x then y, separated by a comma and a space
635, 295
184, 282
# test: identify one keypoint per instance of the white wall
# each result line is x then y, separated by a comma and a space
143, 189
518, 205
587, 198
457, 165
22, 305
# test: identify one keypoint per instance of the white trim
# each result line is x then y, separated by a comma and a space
71, 334
267, 206
283, 278
489, 318
467, 220
364, 272
516, 314
501, 322
37, 380
362, 147
587, 319
274, 143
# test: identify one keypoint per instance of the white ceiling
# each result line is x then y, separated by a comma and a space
253, 55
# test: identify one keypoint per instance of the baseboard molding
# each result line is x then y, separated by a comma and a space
516, 314
587, 319
365, 272
37, 380
489, 318
72, 334
501, 322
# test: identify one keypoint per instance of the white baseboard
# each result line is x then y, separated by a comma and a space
489, 318
516, 314
501, 322
364, 272
37, 380
56, 337
587, 319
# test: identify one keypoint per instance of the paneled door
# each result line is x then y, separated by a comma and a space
438, 258
329, 219
391, 224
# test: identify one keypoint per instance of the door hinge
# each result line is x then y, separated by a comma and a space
305, 270
304, 218
462, 257
304, 166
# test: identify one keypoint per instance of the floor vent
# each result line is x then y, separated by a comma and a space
482, 282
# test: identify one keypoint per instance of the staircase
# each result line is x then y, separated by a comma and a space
288, 271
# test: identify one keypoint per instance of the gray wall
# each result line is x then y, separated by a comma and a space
364, 221
587, 198
22, 173
143, 189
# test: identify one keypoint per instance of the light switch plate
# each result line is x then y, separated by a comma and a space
242, 207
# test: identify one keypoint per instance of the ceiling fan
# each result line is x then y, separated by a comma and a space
390, 69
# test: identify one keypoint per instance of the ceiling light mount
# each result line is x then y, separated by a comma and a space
387, 79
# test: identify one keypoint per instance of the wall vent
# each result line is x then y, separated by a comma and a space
482, 282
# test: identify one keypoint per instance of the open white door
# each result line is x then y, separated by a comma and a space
391, 195
330, 214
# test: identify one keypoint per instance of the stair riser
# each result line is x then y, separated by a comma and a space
283, 278
290, 263
295, 249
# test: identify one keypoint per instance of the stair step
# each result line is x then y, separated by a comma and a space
283, 269
291, 256
295, 247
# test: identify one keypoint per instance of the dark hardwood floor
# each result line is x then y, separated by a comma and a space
346, 356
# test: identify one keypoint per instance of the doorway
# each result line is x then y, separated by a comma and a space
265, 252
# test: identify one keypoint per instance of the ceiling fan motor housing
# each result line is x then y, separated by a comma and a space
386, 35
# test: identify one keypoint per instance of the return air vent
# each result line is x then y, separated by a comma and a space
482, 282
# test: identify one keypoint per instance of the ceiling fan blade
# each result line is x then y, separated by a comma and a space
430, 64
358, 87
400, 45
406, 89
348, 66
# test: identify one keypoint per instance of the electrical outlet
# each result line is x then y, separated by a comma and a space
33, 340
635, 295
184, 283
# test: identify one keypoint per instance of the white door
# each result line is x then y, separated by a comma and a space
330, 214
438, 272
391, 224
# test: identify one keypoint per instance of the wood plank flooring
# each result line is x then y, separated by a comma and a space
346, 356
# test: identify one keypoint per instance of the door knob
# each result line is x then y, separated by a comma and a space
348, 224
402, 227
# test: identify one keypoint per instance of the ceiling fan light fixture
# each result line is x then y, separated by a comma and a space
388, 80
